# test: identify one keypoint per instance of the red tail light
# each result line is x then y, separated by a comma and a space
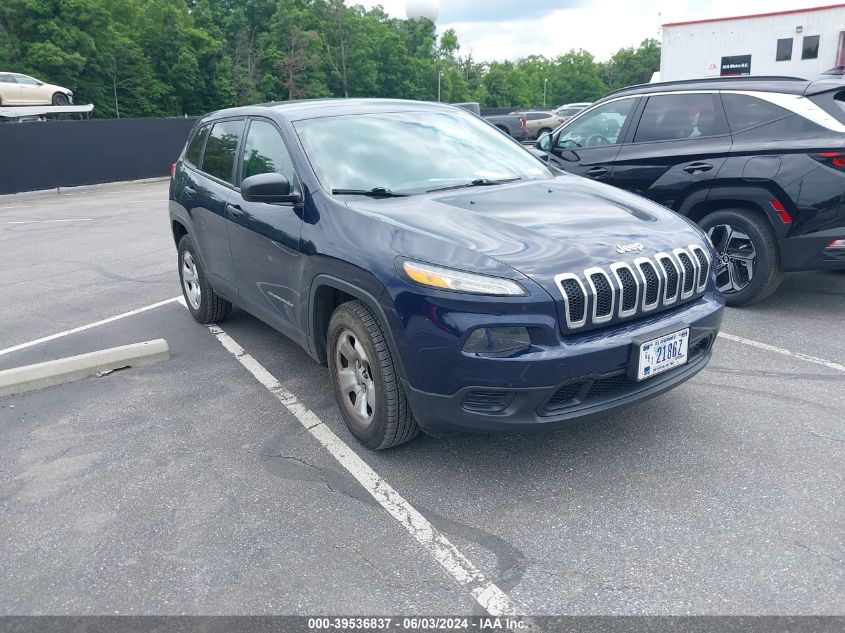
832, 159
524, 121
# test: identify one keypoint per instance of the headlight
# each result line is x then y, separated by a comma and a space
448, 279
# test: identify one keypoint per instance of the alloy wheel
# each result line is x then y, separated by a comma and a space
190, 280
355, 378
736, 258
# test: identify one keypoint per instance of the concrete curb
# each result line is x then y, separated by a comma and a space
60, 190
63, 370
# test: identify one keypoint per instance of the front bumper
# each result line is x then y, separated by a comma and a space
560, 379
528, 409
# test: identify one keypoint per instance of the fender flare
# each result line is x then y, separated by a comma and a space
367, 299
757, 195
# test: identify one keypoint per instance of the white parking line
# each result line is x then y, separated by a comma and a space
46, 221
784, 352
82, 328
458, 566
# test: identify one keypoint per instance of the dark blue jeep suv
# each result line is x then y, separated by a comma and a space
451, 280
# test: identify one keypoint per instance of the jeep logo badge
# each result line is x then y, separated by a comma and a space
629, 248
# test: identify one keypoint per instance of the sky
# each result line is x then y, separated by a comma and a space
510, 29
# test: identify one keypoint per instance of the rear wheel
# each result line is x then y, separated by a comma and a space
366, 385
545, 130
747, 263
205, 305
60, 99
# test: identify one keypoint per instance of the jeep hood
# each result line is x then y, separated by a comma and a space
541, 228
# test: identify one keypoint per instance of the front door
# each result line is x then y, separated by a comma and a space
589, 144
265, 237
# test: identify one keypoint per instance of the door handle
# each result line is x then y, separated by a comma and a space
190, 191
696, 168
597, 172
234, 210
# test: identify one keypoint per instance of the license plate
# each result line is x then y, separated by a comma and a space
662, 354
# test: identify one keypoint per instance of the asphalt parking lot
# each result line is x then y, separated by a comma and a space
187, 487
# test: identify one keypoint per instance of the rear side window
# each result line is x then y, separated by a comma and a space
194, 153
265, 152
751, 118
680, 117
7, 79
221, 149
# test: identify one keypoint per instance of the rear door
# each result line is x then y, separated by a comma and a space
265, 237
205, 195
681, 142
588, 145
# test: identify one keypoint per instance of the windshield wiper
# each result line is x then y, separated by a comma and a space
478, 182
376, 192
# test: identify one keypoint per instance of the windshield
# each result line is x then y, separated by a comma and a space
412, 152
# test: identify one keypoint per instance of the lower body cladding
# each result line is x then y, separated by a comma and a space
822, 250
550, 386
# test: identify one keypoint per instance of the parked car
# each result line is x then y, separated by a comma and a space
17, 90
514, 125
451, 280
569, 110
540, 122
758, 162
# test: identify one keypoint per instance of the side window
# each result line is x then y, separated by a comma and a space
752, 118
194, 153
602, 126
221, 149
7, 79
680, 116
265, 152
29, 81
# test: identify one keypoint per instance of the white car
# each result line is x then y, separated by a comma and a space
18, 90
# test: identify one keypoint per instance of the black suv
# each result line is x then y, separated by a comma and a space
758, 162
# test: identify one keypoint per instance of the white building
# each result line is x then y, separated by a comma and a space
798, 43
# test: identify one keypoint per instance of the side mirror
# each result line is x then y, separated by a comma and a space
543, 156
270, 188
544, 142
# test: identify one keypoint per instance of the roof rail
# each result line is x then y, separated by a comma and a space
712, 80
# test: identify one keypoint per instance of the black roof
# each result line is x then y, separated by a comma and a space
788, 85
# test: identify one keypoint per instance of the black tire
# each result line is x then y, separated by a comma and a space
211, 307
767, 272
60, 99
504, 130
392, 422
545, 130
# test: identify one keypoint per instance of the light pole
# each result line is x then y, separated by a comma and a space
439, 79
545, 81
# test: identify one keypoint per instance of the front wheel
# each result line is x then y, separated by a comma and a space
366, 385
60, 99
747, 260
545, 130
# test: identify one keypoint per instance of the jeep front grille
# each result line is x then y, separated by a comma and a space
624, 290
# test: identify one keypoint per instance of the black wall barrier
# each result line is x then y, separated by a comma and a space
68, 153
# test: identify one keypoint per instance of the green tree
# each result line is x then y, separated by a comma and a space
631, 66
